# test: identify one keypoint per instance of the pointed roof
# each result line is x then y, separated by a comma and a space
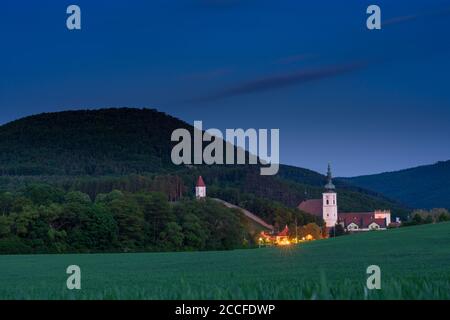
284, 233
200, 182
329, 186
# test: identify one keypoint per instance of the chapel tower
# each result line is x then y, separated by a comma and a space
329, 202
200, 188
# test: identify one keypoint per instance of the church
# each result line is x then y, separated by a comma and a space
327, 208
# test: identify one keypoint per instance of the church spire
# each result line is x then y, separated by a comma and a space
329, 186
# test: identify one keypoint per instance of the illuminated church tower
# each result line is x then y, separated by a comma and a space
329, 202
200, 188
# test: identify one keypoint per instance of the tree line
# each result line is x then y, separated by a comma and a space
421, 216
46, 219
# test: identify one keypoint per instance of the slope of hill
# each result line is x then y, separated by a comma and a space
96, 151
420, 187
88, 142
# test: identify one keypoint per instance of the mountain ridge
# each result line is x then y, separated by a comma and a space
424, 186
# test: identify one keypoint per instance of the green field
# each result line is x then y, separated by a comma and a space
414, 261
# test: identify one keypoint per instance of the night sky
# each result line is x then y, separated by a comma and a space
367, 101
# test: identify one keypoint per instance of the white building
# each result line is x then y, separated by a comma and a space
200, 188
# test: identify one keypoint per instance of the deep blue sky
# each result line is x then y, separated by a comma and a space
368, 101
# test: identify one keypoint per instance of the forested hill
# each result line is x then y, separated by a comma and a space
97, 151
420, 187
88, 142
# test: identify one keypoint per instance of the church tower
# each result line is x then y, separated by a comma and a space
329, 202
200, 188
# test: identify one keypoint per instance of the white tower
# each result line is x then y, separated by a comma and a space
200, 188
329, 202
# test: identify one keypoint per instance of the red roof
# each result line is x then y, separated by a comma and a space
312, 206
355, 215
284, 233
200, 182
362, 219
381, 223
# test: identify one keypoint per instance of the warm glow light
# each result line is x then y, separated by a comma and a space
284, 242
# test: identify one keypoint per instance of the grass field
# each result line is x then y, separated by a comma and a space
414, 262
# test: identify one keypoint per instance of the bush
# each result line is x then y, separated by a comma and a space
14, 246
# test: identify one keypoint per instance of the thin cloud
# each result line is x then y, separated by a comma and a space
283, 80
399, 19
207, 75
294, 58
297, 78
427, 14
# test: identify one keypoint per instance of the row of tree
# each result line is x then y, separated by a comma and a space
42, 218
427, 216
